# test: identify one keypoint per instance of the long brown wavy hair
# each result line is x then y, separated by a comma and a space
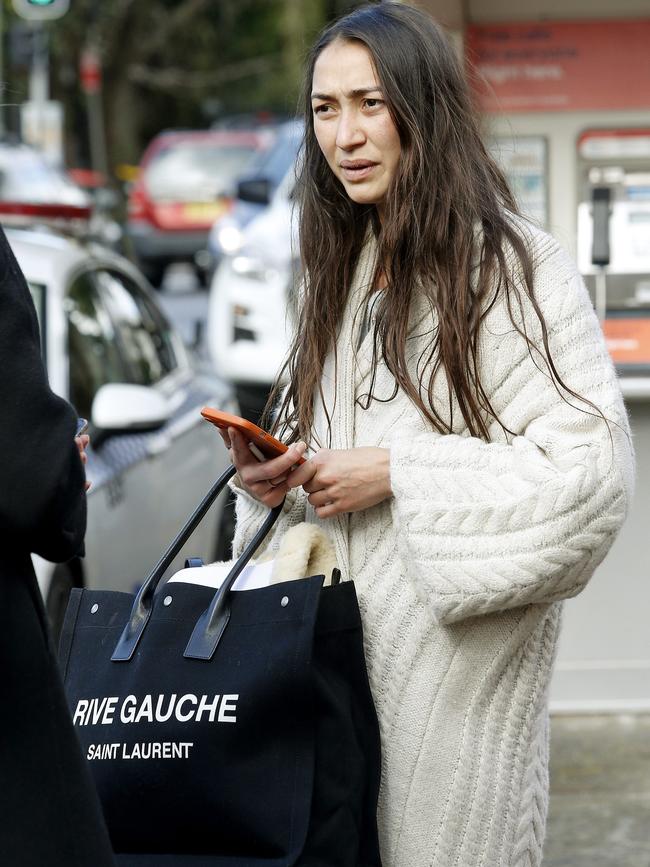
446, 187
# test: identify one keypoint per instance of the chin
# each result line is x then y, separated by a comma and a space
363, 197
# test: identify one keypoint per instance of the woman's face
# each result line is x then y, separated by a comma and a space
352, 123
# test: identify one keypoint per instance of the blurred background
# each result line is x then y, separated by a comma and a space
147, 163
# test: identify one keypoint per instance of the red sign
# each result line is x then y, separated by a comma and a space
628, 339
562, 65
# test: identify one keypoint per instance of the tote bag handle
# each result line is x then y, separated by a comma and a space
212, 622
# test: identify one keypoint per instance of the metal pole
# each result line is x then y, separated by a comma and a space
39, 81
601, 294
95, 111
39, 84
98, 155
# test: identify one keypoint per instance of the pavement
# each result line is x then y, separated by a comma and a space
599, 813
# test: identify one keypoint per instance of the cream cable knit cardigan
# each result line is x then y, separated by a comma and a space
461, 574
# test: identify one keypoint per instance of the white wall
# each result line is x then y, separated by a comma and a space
603, 661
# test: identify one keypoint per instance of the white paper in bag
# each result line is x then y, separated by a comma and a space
253, 576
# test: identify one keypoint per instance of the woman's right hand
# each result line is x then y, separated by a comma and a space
263, 480
82, 442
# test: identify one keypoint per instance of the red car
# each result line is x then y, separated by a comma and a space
186, 182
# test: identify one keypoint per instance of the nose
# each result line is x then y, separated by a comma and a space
349, 132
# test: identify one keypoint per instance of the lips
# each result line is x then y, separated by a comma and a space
355, 170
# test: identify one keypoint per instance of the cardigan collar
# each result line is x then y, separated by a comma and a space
341, 371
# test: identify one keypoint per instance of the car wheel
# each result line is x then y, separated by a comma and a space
202, 278
226, 529
63, 580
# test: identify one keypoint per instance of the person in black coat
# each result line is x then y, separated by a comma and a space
49, 811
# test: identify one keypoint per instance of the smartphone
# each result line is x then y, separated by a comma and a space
82, 426
261, 443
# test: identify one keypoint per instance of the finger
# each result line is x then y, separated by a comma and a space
276, 467
320, 498
328, 511
263, 485
266, 494
313, 485
241, 454
273, 497
224, 436
270, 495
302, 475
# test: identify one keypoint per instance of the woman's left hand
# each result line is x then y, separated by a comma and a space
344, 480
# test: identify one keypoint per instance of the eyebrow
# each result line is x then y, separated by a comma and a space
358, 91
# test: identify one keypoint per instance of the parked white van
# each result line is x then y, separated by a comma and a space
250, 299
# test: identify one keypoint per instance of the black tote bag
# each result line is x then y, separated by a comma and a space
227, 728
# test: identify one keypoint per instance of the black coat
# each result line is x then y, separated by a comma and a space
49, 812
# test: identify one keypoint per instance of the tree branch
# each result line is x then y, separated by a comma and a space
171, 23
180, 79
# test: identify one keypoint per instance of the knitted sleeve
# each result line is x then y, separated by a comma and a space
486, 526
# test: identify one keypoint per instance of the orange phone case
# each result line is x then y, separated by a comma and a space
267, 444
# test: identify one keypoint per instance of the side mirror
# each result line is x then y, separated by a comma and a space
255, 190
121, 407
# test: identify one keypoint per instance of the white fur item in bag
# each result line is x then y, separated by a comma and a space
304, 550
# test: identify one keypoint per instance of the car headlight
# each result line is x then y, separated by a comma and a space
230, 238
253, 268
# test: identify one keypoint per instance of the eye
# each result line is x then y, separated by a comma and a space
373, 102
322, 108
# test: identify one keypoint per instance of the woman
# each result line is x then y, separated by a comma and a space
49, 812
471, 458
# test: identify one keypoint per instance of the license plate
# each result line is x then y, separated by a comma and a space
203, 212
